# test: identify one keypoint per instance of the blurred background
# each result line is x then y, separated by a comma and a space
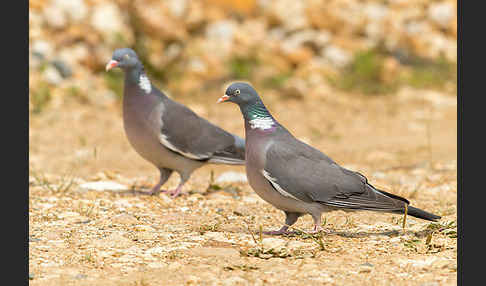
337, 65
303, 48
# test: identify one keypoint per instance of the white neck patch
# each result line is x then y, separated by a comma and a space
144, 83
261, 123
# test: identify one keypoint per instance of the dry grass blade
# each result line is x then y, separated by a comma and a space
65, 182
405, 216
316, 237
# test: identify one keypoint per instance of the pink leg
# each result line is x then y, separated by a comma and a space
156, 190
164, 176
290, 219
316, 229
176, 192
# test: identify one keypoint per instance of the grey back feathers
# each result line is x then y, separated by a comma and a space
196, 138
321, 179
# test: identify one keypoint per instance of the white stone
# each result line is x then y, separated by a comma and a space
417, 263
156, 250
197, 66
221, 30
52, 75
74, 54
336, 56
55, 17
218, 236
375, 11
295, 244
177, 7
43, 48
438, 44
107, 19
60, 12
253, 199
291, 14
273, 243
156, 264
375, 30
68, 214
441, 13
319, 38
76, 10
231, 177
235, 280
417, 28
103, 186
440, 189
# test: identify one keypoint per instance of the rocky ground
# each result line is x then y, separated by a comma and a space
90, 224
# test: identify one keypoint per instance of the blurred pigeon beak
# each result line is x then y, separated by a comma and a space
111, 64
223, 98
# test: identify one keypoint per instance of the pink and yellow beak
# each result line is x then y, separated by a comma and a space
223, 98
111, 64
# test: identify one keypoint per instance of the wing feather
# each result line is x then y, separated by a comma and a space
189, 135
308, 174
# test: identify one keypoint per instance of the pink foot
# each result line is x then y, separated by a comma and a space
175, 192
155, 191
316, 229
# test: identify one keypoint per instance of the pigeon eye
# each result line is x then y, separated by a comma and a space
237, 91
126, 56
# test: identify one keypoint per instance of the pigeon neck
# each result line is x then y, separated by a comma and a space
258, 116
137, 76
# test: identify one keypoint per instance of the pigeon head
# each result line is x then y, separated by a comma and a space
240, 93
123, 58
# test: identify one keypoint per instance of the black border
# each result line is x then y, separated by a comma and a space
460, 238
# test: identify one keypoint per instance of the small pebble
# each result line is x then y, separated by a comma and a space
63, 68
80, 276
367, 264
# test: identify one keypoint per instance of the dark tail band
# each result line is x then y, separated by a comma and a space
418, 213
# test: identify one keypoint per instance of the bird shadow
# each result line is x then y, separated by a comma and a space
348, 234
146, 192
135, 192
389, 233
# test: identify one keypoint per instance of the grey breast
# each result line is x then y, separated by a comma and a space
142, 122
256, 149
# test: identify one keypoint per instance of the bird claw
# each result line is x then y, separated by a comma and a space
154, 192
175, 193
316, 229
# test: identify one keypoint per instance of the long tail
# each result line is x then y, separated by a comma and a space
233, 155
413, 211
418, 213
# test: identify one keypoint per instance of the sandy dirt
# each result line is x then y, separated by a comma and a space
404, 144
